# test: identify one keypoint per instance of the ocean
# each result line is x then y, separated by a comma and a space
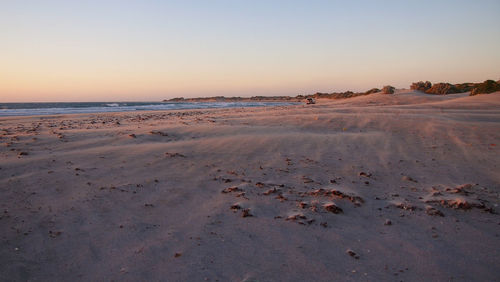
30, 109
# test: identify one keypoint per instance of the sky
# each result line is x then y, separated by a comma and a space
149, 50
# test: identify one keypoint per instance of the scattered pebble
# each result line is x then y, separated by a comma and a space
157, 132
408, 178
55, 234
296, 216
259, 184
352, 254
174, 155
433, 211
235, 207
365, 174
271, 191
231, 189
246, 213
331, 207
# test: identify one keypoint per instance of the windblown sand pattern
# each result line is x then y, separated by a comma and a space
376, 188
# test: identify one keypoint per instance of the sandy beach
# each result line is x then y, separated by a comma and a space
401, 187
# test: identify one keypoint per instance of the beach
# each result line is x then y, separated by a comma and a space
401, 187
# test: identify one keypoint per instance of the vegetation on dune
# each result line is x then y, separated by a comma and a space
341, 95
388, 89
335, 95
373, 90
442, 88
421, 86
465, 87
488, 86
317, 95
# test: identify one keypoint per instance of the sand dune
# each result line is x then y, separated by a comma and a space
376, 188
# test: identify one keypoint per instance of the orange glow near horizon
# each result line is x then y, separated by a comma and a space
66, 51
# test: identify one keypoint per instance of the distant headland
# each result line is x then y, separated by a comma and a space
441, 88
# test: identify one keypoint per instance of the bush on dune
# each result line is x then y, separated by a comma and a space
349, 94
388, 89
442, 88
373, 90
488, 86
341, 95
465, 87
318, 95
421, 86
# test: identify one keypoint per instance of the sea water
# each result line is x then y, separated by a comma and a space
29, 109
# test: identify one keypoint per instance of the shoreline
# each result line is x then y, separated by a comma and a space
145, 112
134, 108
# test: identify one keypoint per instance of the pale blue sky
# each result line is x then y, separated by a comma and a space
150, 50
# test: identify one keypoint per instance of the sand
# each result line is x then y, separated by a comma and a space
373, 188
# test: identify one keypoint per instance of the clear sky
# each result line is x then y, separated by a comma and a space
99, 50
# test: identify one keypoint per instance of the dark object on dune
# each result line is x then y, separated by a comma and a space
488, 86
388, 89
310, 101
373, 90
421, 86
442, 88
